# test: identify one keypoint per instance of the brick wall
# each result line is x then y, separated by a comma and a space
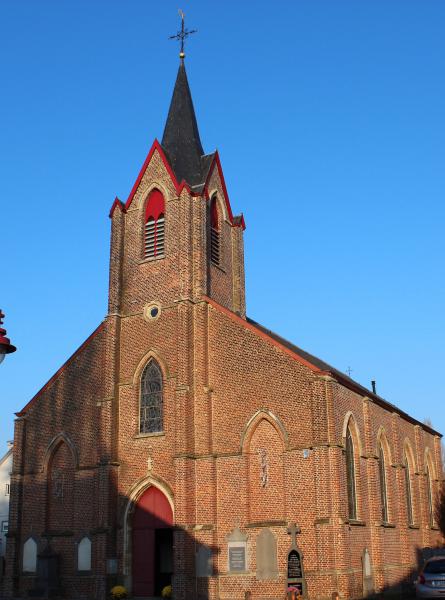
253, 436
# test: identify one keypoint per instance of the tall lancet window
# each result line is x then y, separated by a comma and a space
382, 477
350, 476
429, 491
151, 415
214, 232
154, 233
408, 491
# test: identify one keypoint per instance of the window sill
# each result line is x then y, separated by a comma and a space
151, 259
355, 523
149, 435
413, 526
434, 527
387, 525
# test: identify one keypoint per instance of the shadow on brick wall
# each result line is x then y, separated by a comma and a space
405, 588
133, 542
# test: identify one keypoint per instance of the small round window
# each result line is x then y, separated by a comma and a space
152, 311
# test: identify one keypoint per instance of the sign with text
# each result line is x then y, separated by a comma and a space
294, 565
237, 558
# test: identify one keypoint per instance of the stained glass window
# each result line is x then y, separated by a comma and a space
350, 476
151, 399
382, 477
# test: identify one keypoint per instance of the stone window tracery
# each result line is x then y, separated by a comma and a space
151, 411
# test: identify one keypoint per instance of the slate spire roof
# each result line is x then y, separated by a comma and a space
181, 140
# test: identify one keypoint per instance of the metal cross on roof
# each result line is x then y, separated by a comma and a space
182, 35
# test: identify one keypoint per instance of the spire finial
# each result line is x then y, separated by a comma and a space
182, 35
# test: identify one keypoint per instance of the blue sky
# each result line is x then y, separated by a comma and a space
328, 116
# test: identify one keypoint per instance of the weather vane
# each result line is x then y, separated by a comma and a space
182, 35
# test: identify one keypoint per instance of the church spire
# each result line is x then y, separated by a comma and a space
181, 139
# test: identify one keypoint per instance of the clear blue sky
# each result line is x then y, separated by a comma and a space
329, 119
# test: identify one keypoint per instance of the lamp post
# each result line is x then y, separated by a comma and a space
5, 346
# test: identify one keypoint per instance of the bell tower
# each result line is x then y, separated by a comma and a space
175, 238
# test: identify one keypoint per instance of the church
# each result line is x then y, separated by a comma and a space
184, 444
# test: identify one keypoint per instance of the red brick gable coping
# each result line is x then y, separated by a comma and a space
337, 375
59, 371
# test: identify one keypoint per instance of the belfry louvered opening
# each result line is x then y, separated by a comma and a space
215, 254
154, 234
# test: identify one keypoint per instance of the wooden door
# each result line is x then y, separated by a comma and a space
152, 512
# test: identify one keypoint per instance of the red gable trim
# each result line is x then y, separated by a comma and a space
217, 162
116, 204
57, 373
261, 334
342, 380
178, 186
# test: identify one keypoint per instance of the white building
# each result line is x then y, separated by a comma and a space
5, 478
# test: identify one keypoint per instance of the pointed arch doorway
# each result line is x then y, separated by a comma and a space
152, 544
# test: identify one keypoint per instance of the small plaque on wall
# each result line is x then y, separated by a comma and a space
294, 565
237, 551
237, 558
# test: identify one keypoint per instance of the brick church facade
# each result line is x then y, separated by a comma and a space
185, 443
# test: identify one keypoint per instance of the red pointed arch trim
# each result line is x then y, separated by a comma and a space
180, 186
235, 221
155, 205
156, 147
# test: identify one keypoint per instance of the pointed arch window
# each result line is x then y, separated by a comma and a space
350, 476
408, 491
151, 411
383, 490
214, 232
154, 231
429, 491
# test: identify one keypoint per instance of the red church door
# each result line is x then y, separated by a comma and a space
152, 544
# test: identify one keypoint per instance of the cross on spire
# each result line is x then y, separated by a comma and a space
292, 531
182, 35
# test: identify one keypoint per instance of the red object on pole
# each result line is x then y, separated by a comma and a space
5, 346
